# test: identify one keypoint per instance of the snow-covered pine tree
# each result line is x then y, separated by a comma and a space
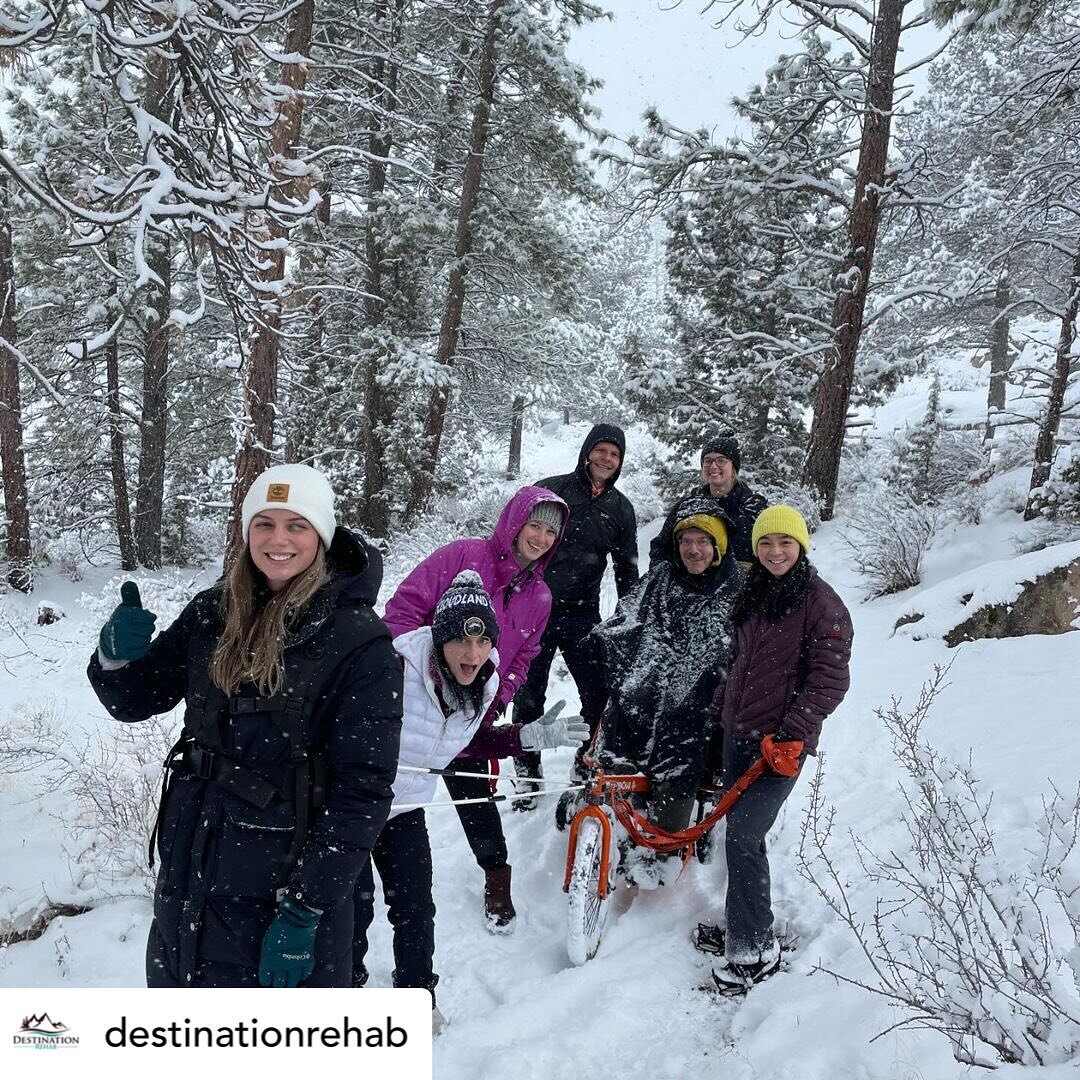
367, 259
189, 173
360, 398
866, 89
951, 270
522, 68
528, 326
90, 325
1049, 92
12, 458
749, 261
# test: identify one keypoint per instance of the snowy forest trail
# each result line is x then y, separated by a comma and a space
516, 1005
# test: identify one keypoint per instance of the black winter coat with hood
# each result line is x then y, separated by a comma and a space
224, 842
599, 526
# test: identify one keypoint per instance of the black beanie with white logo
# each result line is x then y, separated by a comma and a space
464, 610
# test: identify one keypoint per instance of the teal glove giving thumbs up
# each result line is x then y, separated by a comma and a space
126, 636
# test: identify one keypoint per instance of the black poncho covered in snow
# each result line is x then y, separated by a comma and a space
225, 836
665, 651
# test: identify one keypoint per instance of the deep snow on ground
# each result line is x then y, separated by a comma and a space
516, 1005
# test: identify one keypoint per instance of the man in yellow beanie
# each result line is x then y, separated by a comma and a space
664, 652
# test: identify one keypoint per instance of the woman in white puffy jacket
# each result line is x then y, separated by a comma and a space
451, 679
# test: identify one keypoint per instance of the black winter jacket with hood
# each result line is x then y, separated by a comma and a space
599, 525
223, 857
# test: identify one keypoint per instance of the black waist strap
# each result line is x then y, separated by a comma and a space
244, 783
304, 781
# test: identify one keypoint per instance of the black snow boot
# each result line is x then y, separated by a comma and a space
733, 977
527, 766
499, 913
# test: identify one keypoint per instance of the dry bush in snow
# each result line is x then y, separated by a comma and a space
965, 938
887, 535
112, 784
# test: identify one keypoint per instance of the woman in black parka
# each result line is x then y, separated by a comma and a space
281, 780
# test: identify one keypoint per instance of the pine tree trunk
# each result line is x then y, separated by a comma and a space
302, 424
455, 92
1048, 429
20, 572
156, 332
261, 374
378, 400
759, 427
117, 467
999, 355
821, 469
150, 489
450, 328
517, 423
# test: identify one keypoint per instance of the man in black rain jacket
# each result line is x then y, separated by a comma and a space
602, 523
734, 501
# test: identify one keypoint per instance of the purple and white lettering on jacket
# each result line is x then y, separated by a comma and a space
521, 599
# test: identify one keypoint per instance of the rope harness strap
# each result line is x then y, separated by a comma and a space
649, 835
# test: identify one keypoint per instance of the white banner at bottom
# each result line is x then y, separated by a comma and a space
214, 1034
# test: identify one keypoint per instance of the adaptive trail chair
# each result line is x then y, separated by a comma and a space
590, 868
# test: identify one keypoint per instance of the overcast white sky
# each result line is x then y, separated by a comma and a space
671, 54
668, 54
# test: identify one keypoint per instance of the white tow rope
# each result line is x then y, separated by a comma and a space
562, 787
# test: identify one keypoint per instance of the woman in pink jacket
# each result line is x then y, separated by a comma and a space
511, 564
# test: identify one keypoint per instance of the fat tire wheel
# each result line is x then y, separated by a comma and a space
586, 911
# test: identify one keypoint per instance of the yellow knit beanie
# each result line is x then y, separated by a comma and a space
781, 519
707, 524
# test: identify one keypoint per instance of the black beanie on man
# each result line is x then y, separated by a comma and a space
726, 443
464, 610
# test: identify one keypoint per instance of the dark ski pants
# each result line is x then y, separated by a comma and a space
402, 855
748, 908
481, 821
665, 806
567, 630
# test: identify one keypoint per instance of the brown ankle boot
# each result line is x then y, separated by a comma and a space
499, 913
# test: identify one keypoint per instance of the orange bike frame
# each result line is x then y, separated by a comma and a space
613, 789
604, 787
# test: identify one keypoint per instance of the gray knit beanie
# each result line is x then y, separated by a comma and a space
547, 513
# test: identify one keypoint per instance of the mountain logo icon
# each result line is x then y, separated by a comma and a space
43, 1025
41, 1032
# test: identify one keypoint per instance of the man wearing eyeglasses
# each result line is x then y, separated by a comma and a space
738, 502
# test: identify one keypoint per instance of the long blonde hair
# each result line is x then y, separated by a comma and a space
252, 645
